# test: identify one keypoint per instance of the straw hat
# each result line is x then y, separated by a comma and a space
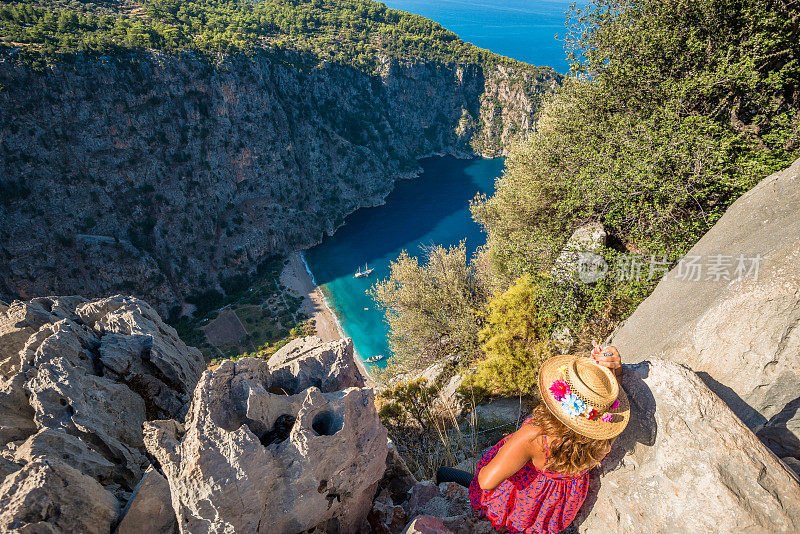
582, 386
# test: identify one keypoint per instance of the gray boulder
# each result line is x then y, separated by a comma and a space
686, 463
740, 333
52, 497
275, 446
150, 508
77, 381
579, 259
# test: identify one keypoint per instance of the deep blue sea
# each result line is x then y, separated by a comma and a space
521, 29
434, 208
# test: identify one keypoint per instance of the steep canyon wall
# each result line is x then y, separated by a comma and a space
161, 175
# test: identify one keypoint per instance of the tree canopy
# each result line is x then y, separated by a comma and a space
346, 31
673, 110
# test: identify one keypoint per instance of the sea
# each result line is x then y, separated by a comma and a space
432, 209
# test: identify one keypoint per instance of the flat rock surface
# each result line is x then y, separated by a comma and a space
686, 463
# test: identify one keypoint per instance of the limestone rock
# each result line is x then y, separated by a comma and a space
16, 414
506, 410
77, 381
49, 496
309, 361
686, 463
105, 413
740, 335
269, 447
563, 340
150, 508
579, 259
71, 450
18, 323
146, 352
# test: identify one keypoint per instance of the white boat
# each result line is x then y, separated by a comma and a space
374, 359
363, 274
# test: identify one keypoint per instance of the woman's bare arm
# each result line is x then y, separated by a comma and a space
520, 448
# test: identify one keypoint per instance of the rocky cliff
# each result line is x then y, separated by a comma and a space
77, 381
161, 174
284, 445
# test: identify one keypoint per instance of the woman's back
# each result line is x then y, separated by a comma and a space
533, 499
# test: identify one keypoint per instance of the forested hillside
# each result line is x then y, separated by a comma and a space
348, 31
166, 148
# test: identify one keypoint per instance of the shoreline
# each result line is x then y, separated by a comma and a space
299, 279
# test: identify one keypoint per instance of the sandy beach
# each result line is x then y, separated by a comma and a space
296, 278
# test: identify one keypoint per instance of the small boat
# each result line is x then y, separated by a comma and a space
374, 359
363, 274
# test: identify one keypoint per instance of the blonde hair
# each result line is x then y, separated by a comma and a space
568, 452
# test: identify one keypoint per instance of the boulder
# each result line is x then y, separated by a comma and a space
146, 353
579, 259
77, 381
50, 496
279, 446
150, 508
387, 515
427, 524
740, 333
52, 443
309, 361
686, 463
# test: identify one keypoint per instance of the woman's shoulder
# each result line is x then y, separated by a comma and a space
535, 437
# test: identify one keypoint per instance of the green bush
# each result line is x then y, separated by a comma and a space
673, 111
433, 310
513, 344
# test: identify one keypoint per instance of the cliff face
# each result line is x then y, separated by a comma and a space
160, 174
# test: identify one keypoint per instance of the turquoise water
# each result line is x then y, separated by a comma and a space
431, 209
434, 208
522, 29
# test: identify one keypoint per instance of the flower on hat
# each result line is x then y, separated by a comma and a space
615, 405
559, 389
607, 417
573, 405
592, 415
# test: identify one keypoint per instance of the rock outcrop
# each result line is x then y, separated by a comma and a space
77, 381
738, 330
284, 445
686, 463
159, 174
150, 507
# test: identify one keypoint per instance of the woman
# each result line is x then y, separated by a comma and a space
535, 480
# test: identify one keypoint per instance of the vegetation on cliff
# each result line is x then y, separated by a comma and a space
349, 32
673, 110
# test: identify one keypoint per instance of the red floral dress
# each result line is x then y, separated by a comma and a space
530, 501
